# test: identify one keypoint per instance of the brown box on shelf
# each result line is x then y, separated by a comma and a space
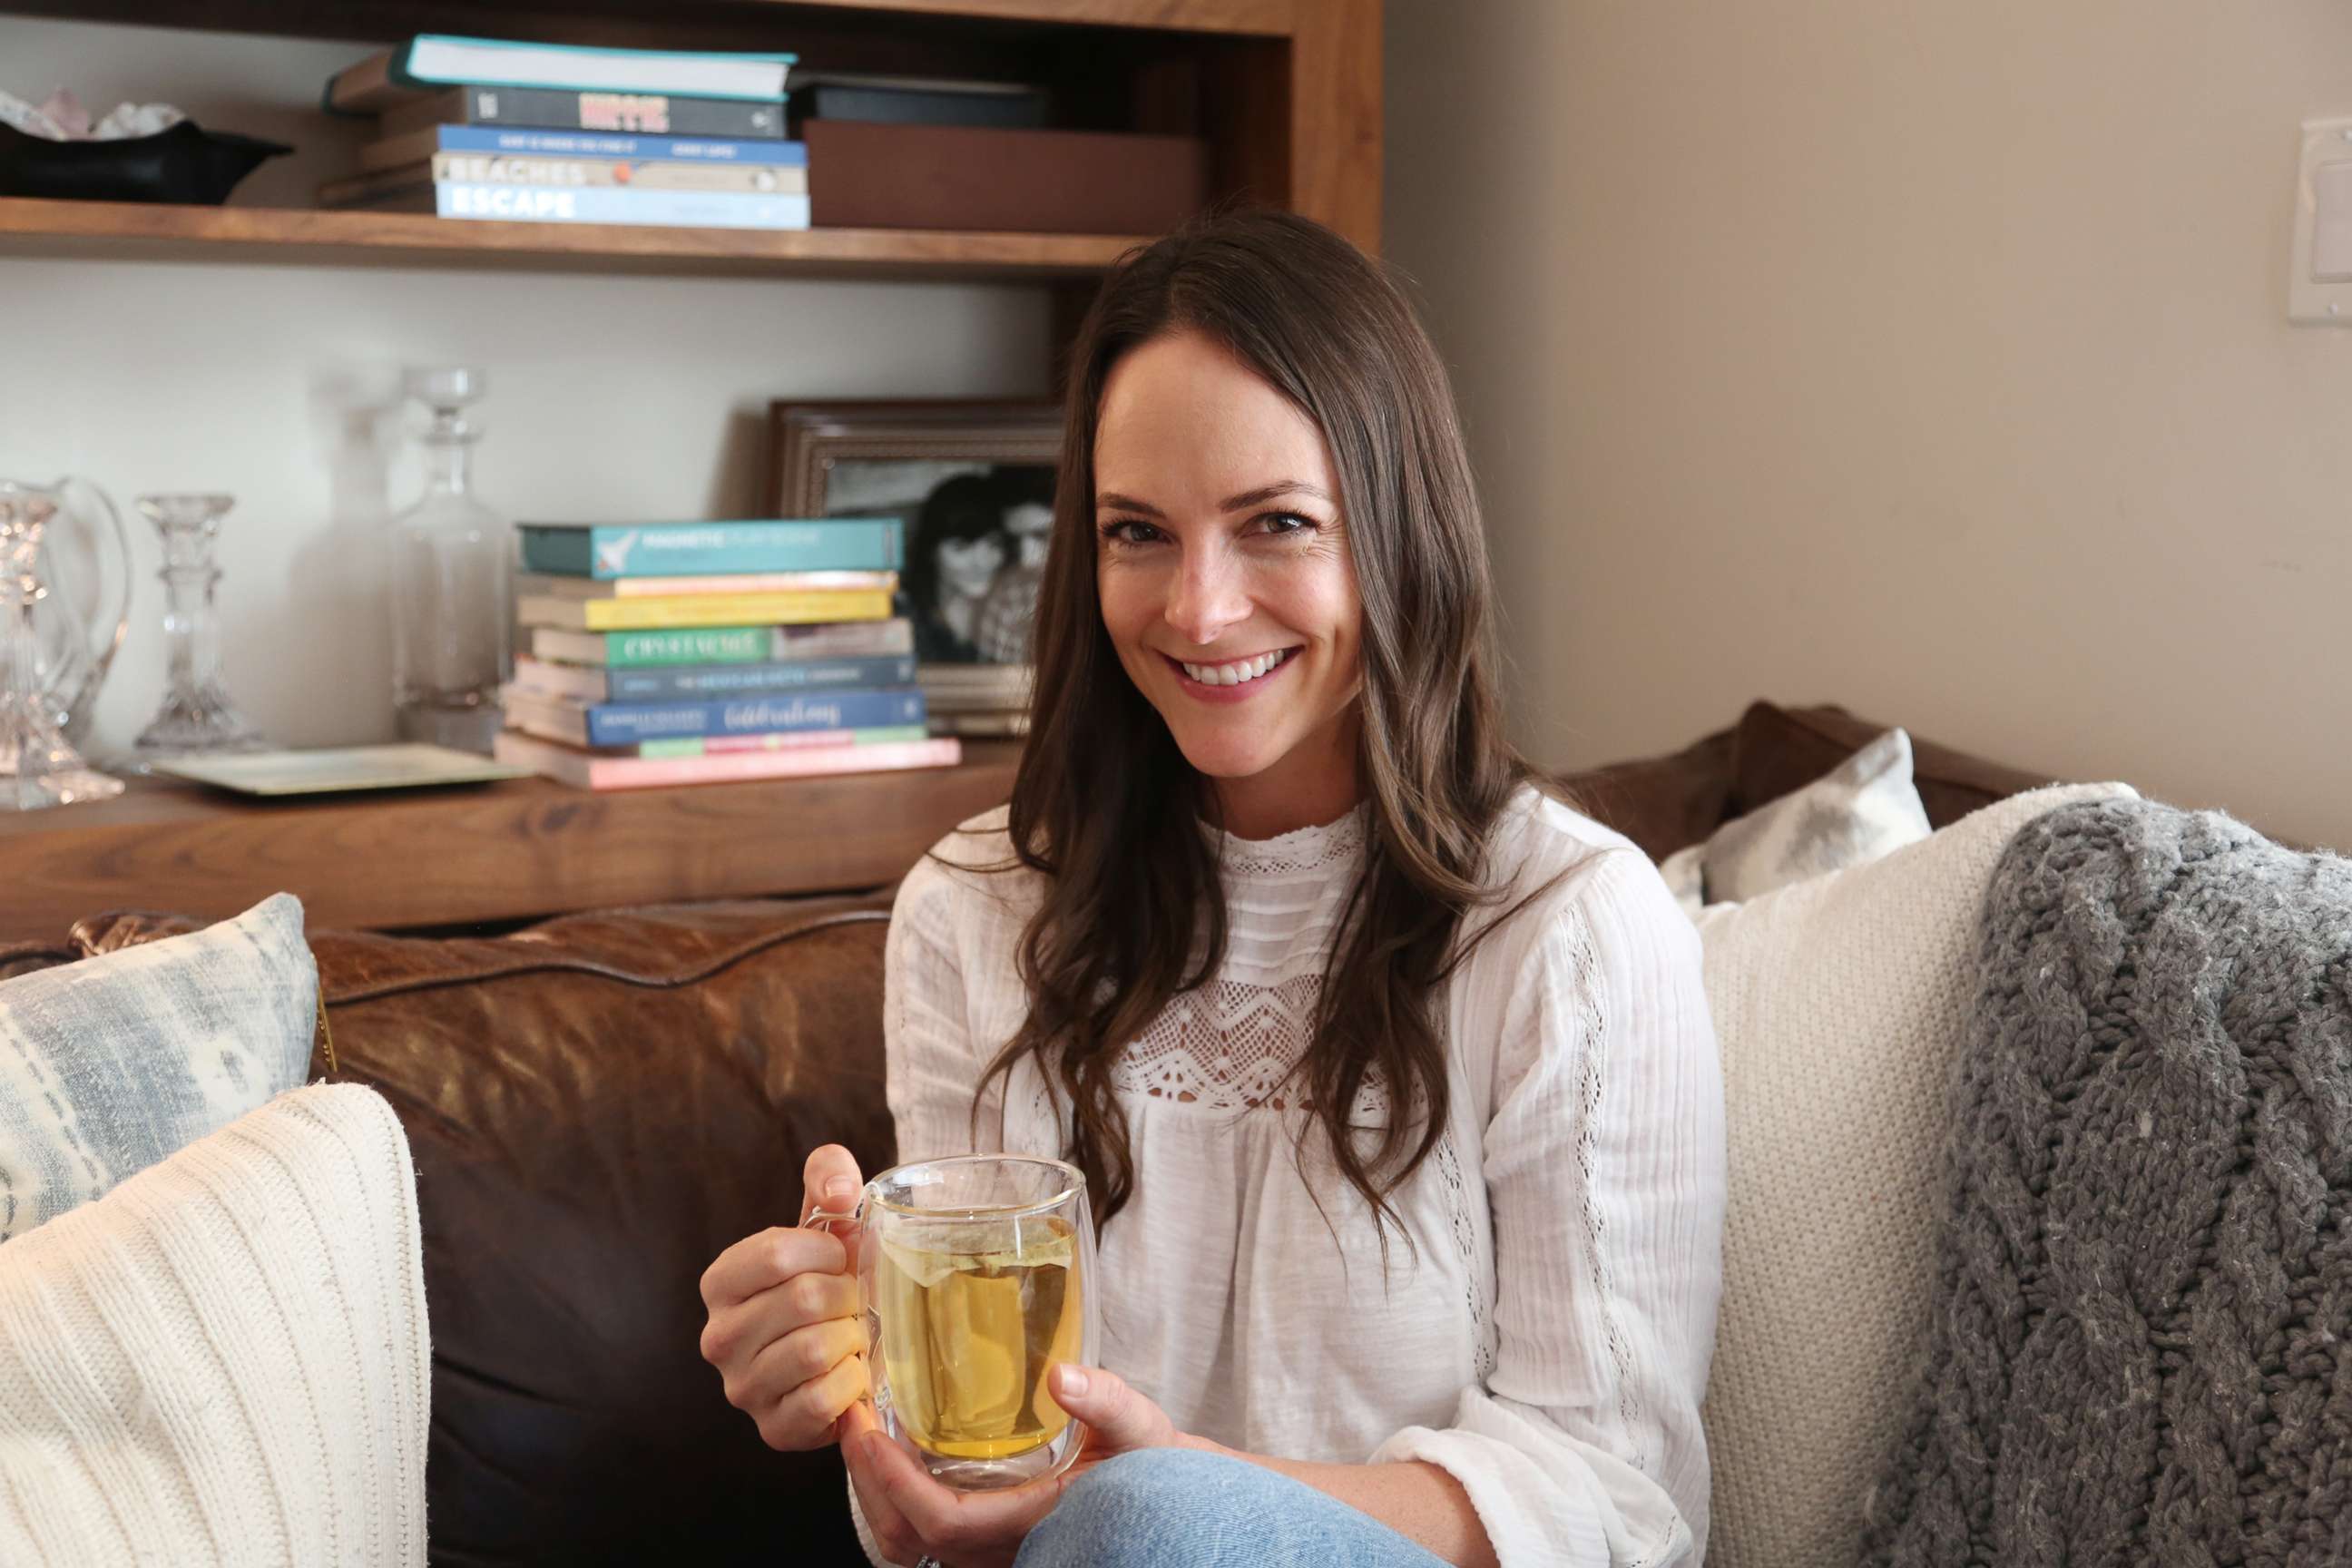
863, 174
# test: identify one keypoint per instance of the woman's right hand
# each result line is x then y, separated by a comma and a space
784, 1330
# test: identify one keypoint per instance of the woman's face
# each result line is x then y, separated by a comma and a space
967, 566
1223, 562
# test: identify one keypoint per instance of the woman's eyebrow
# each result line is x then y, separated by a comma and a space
1231, 503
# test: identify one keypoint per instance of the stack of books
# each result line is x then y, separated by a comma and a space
483, 128
698, 652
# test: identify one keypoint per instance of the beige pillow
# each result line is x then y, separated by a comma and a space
1865, 808
1840, 1005
224, 1360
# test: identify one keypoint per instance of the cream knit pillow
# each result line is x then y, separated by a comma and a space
225, 1358
1840, 1005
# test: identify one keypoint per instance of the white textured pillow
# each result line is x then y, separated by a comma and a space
1865, 808
225, 1358
111, 1064
1840, 1005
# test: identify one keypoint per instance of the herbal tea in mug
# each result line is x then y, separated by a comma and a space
977, 1277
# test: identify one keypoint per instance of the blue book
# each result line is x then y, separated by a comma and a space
609, 550
621, 204
704, 682
610, 144
626, 723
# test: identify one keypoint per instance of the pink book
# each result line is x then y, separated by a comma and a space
585, 770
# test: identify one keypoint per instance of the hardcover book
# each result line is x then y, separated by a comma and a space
700, 610
595, 203
726, 645
585, 770
704, 682
775, 741
419, 146
626, 113
626, 723
432, 60
607, 550
567, 587
417, 179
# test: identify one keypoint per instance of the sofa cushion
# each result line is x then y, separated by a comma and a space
223, 1360
1779, 749
598, 1106
1840, 1005
110, 1064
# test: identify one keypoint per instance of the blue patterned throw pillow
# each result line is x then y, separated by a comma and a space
111, 1063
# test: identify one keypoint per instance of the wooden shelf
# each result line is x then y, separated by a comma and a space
494, 853
137, 231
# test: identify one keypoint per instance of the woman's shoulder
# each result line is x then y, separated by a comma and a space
1550, 859
970, 877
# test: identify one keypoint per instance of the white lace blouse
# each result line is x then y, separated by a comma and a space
1543, 1333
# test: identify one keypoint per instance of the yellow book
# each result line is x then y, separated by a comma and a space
652, 613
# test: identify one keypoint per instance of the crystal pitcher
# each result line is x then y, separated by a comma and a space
78, 625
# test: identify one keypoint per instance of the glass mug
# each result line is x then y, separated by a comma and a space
977, 1276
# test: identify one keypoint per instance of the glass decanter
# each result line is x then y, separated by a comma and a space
196, 714
452, 564
38, 766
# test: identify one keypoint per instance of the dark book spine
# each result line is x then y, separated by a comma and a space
628, 113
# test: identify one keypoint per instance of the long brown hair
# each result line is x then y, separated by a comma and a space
1106, 808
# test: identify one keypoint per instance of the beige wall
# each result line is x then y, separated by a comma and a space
1930, 358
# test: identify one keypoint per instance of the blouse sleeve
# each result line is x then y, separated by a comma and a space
927, 1050
1604, 1167
932, 1063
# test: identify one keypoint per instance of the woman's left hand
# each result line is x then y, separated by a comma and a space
914, 1517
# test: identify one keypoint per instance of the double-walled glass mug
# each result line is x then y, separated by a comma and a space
977, 1274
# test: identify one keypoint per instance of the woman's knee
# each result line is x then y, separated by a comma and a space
1149, 1503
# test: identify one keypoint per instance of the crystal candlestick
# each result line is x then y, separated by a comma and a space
38, 766
196, 714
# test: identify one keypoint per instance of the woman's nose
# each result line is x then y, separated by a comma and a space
1208, 596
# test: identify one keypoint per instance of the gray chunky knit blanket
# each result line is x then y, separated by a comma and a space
2141, 1349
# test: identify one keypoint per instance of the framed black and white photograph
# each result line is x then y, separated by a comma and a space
973, 481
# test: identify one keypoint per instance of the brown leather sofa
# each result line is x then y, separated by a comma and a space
599, 1104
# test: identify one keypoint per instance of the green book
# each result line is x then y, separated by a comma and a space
723, 645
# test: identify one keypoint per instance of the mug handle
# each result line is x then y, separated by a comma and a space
831, 1221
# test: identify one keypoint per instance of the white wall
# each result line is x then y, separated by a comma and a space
1928, 358
617, 398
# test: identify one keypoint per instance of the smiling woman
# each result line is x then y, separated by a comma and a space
1391, 1078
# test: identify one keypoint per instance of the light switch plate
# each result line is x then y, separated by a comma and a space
2319, 267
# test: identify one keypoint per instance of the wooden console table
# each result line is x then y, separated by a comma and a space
489, 853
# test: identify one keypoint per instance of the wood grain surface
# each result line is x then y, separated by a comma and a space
491, 853
141, 231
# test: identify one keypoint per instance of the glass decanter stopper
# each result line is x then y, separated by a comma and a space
38, 766
196, 714
452, 561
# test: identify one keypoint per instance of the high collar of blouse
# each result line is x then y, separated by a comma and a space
1339, 842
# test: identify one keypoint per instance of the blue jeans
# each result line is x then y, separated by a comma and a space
1177, 1508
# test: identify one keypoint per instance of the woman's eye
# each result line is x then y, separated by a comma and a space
1129, 530
1282, 523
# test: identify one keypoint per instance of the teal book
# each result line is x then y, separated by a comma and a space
609, 550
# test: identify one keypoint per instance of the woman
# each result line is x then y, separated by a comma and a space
1393, 1079
958, 548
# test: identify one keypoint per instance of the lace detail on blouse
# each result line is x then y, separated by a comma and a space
1228, 1045
1291, 854
1448, 1163
1593, 1025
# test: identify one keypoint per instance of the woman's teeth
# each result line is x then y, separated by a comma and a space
1235, 673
